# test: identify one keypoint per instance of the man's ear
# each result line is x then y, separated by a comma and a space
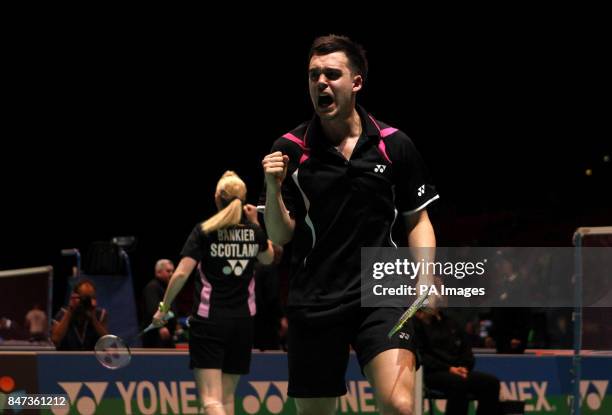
357, 83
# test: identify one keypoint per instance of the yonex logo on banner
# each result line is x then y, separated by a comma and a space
359, 398
593, 392
136, 397
270, 395
534, 393
85, 405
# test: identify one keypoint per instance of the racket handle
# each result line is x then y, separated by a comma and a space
167, 317
416, 305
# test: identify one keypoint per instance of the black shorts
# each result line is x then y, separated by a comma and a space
319, 353
221, 343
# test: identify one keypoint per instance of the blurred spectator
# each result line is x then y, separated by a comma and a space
448, 362
79, 325
36, 323
153, 294
510, 330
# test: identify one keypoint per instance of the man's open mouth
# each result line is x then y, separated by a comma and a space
325, 101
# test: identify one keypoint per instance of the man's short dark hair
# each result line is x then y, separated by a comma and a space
356, 54
81, 282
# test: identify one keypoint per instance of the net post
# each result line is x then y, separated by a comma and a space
577, 320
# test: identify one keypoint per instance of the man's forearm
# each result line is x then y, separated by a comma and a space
58, 332
422, 241
98, 326
422, 234
279, 224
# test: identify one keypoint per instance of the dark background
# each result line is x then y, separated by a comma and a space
124, 129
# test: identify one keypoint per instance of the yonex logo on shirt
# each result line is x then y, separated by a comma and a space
380, 168
421, 191
236, 266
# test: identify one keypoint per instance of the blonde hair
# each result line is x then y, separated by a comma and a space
229, 188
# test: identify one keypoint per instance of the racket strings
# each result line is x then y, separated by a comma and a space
112, 352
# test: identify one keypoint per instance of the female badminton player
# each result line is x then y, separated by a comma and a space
223, 249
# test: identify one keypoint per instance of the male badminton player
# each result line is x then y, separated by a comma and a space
333, 185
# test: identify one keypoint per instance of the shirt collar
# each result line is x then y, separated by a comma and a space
314, 135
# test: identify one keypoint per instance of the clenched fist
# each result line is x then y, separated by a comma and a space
275, 169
